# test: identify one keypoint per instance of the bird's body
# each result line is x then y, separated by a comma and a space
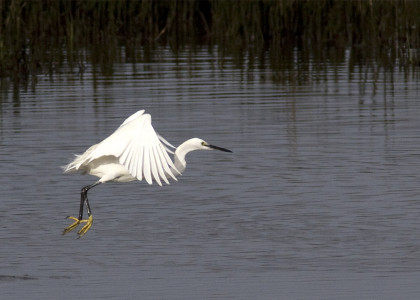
133, 151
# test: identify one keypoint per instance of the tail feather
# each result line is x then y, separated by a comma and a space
78, 163
71, 167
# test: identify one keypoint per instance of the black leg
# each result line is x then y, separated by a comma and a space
84, 200
82, 203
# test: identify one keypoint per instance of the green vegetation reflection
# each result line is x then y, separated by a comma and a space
43, 36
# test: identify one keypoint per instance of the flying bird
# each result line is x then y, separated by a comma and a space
134, 151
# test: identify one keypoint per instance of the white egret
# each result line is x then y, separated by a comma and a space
134, 151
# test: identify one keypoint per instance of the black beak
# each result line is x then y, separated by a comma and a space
218, 148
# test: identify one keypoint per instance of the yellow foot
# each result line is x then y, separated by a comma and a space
76, 223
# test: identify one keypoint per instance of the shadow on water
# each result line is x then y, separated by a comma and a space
15, 277
45, 39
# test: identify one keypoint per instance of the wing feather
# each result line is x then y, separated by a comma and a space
132, 117
153, 163
166, 166
162, 139
146, 166
126, 152
140, 164
133, 167
170, 163
139, 148
159, 155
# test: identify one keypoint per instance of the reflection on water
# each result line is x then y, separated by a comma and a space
319, 197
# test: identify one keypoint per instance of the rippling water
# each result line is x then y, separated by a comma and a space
318, 200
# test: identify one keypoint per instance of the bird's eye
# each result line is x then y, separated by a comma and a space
203, 144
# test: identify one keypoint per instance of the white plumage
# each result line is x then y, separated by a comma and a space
133, 151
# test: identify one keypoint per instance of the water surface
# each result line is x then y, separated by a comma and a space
318, 201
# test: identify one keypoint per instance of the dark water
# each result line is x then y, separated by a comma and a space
320, 199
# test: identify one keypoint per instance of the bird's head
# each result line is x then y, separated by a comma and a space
200, 144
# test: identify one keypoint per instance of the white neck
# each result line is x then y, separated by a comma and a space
180, 153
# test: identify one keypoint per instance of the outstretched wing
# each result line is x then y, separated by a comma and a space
139, 148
